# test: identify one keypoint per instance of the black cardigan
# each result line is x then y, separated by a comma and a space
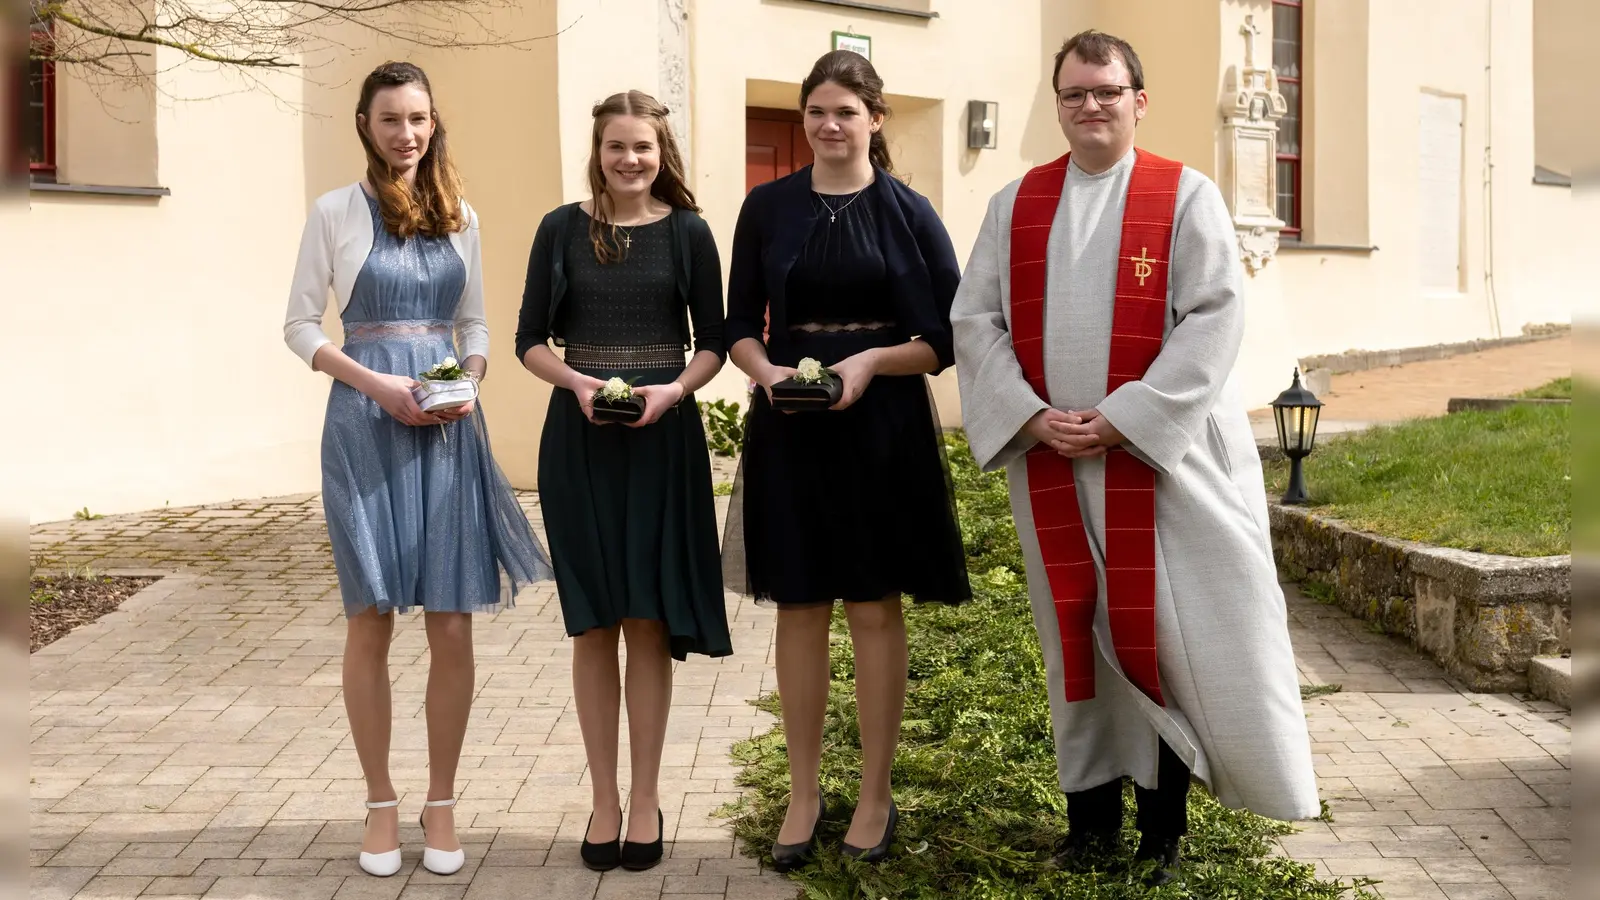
697, 267
774, 223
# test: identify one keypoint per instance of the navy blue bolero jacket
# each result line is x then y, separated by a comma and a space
773, 226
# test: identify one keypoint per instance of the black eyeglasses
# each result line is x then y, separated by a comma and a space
1105, 95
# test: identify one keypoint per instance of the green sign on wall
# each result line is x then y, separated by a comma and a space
860, 43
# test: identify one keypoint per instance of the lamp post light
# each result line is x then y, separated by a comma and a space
1296, 411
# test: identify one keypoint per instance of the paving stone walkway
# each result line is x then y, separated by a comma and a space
1396, 393
1438, 791
194, 743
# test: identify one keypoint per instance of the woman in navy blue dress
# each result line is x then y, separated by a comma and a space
419, 515
851, 503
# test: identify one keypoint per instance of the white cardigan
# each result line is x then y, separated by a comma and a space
337, 239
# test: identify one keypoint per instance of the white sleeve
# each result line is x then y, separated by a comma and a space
1161, 413
996, 400
308, 293
472, 330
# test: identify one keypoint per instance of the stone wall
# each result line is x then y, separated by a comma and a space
1483, 617
1364, 360
1494, 404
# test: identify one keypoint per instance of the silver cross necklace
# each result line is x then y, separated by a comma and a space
833, 214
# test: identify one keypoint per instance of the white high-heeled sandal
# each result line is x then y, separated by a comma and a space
381, 864
440, 862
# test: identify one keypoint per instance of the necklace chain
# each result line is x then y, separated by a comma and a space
627, 230
833, 214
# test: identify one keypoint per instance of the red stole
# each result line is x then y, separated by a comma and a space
1136, 337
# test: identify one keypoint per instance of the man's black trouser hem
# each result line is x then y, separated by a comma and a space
1161, 813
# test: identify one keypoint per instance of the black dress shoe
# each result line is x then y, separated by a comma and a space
1164, 853
1084, 849
602, 856
881, 852
637, 857
788, 857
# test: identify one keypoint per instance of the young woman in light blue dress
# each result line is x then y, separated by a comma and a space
419, 515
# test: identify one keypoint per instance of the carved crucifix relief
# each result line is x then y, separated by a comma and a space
1250, 113
1251, 31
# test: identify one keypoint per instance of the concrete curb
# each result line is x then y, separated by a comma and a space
1483, 617
1494, 404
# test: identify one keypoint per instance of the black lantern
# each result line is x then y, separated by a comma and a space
1296, 410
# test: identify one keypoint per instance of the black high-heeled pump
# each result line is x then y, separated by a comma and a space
788, 857
602, 856
636, 857
881, 852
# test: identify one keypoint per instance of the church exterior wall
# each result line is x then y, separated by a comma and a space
195, 278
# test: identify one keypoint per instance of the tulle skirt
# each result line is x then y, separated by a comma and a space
419, 517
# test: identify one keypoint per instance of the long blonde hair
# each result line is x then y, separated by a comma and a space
431, 206
670, 187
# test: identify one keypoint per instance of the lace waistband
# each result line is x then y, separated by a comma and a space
645, 356
397, 328
839, 327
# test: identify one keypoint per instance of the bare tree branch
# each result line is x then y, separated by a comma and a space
119, 37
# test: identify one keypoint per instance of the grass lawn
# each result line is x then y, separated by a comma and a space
1494, 482
975, 776
1560, 389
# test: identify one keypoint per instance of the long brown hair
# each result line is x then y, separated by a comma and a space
432, 205
670, 186
853, 72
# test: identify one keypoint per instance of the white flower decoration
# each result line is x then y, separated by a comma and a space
616, 389
449, 362
810, 371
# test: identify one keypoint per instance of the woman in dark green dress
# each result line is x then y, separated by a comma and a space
617, 281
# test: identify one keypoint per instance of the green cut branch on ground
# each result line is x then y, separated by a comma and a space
975, 776
1491, 482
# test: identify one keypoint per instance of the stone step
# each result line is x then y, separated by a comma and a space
1550, 678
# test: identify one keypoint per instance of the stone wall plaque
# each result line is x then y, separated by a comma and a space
1254, 187
1251, 109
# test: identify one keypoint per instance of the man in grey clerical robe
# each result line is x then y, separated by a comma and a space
1094, 352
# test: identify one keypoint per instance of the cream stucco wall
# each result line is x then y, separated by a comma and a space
1567, 137
1336, 127
157, 321
503, 120
193, 285
99, 112
197, 280
1183, 71
1338, 300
